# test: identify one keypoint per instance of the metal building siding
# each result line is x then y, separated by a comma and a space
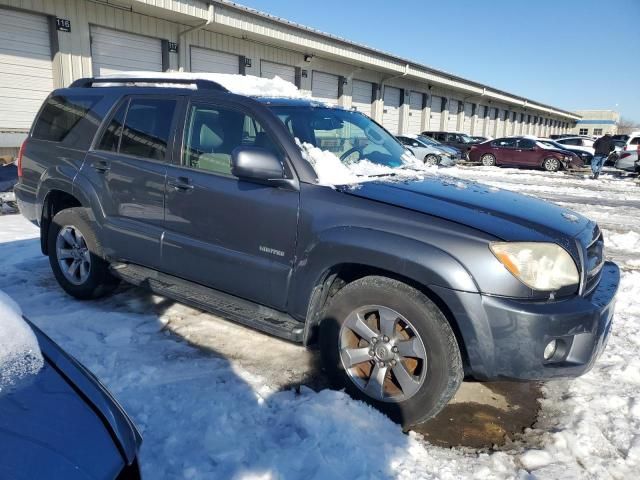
391, 111
452, 121
468, 112
113, 51
361, 96
436, 113
26, 75
271, 70
414, 124
324, 87
205, 60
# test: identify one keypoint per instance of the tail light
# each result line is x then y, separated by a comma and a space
20, 154
625, 155
625, 148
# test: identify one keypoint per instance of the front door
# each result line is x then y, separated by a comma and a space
529, 152
127, 168
223, 232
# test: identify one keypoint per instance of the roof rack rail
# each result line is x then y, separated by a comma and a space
199, 83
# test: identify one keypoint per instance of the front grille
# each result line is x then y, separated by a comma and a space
594, 260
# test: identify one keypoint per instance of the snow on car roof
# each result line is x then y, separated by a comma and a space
247, 85
19, 350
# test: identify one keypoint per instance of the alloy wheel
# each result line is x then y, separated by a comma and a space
73, 255
488, 160
382, 353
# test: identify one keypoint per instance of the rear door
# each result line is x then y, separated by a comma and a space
127, 167
223, 232
505, 151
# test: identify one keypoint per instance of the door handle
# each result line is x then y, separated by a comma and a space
101, 166
181, 183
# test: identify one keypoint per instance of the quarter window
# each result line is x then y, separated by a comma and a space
60, 115
635, 141
213, 133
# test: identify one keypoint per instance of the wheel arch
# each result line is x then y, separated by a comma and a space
54, 201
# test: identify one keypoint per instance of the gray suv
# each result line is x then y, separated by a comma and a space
406, 284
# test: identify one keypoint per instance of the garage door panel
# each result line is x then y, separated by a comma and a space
361, 96
468, 113
114, 51
414, 125
324, 87
436, 113
26, 74
452, 121
205, 60
271, 70
391, 112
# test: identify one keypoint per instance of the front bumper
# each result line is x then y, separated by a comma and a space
506, 338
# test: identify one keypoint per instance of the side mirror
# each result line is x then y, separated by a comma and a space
415, 144
256, 164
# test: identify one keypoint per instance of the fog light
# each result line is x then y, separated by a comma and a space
550, 349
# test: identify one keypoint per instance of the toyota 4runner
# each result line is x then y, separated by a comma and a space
407, 284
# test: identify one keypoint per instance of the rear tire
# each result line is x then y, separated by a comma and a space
74, 256
488, 160
380, 328
432, 160
551, 164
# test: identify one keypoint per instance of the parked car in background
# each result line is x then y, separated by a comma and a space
8, 176
480, 139
556, 136
585, 156
461, 141
628, 161
523, 151
429, 154
621, 137
454, 153
633, 142
407, 286
580, 143
57, 421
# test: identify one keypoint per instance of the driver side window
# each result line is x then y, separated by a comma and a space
212, 133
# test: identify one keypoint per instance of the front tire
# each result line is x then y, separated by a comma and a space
551, 164
389, 345
488, 160
73, 255
432, 160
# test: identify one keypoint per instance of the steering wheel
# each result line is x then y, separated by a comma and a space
351, 151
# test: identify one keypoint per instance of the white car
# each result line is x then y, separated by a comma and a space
628, 161
429, 154
578, 143
633, 142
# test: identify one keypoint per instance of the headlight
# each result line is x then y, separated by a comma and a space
566, 159
540, 266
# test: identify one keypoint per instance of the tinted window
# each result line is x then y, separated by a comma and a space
505, 143
571, 141
635, 141
147, 128
213, 133
60, 115
110, 140
526, 143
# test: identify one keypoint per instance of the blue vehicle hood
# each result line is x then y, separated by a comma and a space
506, 215
51, 427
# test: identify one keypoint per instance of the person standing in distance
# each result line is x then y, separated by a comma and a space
603, 147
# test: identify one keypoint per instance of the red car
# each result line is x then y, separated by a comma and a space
523, 151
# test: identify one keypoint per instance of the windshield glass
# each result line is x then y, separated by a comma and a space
546, 144
466, 138
429, 140
349, 135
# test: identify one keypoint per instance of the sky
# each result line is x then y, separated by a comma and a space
567, 53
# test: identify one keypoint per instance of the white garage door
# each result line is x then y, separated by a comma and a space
452, 123
324, 87
468, 112
493, 113
361, 96
436, 113
113, 51
205, 60
391, 112
414, 124
270, 70
25, 68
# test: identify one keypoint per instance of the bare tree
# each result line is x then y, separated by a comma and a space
626, 125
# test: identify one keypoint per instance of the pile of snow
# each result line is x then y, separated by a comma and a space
239, 84
331, 171
623, 241
19, 351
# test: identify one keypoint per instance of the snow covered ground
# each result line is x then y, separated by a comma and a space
210, 413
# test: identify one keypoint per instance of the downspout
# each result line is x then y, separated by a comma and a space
210, 19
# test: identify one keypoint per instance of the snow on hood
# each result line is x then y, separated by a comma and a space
331, 171
239, 84
19, 350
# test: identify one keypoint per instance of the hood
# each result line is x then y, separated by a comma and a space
51, 428
506, 215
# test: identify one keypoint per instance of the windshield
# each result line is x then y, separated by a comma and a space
546, 144
429, 140
349, 135
466, 138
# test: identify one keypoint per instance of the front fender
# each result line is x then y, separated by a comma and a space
419, 261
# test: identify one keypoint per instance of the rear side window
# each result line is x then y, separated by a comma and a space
635, 141
60, 115
141, 128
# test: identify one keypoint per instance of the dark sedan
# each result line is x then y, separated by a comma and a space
586, 157
59, 422
525, 152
